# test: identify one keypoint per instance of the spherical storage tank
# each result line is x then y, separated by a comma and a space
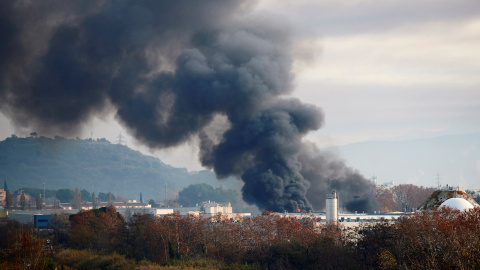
457, 204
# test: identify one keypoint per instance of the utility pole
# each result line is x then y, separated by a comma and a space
120, 139
44, 193
165, 191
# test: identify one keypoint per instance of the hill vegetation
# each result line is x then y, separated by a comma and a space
92, 165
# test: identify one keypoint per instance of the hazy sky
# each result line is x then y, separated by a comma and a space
378, 69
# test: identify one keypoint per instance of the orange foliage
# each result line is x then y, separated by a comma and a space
97, 229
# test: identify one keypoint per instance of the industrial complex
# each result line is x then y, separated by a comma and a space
447, 197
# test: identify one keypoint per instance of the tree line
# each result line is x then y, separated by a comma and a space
403, 197
27, 198
445, 239
190, 196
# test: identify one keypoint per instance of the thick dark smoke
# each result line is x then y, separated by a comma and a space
169, 69
326, 173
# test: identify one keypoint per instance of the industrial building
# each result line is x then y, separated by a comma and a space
452, 198
207, 209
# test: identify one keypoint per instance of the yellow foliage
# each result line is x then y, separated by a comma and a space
387, 260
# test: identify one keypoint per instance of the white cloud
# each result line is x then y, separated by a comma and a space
434, 53
347, 17
419, 77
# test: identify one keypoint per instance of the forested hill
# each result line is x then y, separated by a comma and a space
94, 165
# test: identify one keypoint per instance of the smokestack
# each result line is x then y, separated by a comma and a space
169, 70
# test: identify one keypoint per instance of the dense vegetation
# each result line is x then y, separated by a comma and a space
196, 194
192, 195
102, 239
93, 165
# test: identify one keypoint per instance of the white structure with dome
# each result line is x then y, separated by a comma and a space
457, 204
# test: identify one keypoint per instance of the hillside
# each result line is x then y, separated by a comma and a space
94, 165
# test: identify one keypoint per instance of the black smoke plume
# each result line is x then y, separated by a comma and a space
169, 69
327, 172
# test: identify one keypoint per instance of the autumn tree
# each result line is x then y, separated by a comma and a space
60, 224
385, 200
77, 199
111, 198
197, 193
401, 197
105, 197
24, 249
23, 201
94, 201
374, 239
444, 239
408, 196
8, 199
99, 229
38, 202
56, 203
153, 204
85, 194
142, 238
64, 195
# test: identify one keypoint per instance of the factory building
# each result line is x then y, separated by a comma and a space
207, 209
332, 215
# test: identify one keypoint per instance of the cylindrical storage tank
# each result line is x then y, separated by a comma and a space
332, 207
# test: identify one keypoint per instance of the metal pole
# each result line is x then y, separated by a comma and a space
44, 193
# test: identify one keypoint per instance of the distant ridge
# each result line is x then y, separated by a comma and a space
94, 165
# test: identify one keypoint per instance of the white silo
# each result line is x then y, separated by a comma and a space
332, 207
